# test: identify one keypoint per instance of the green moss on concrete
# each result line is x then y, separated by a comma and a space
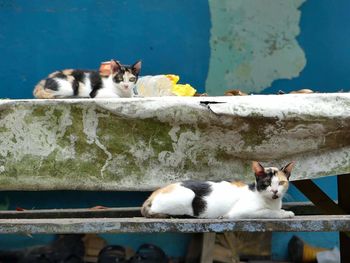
85, 146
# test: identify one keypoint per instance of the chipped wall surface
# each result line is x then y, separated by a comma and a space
124, 144
253, 43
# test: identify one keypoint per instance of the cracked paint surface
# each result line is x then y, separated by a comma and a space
140, 144
253, 43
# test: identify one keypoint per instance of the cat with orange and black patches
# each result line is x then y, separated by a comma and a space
222, 199
69, 83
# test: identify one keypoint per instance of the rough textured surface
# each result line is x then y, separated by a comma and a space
253, 43
138, 144
129, 225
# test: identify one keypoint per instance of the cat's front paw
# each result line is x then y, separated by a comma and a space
288, 214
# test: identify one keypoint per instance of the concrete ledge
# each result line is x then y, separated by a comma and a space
133, 225
143, 143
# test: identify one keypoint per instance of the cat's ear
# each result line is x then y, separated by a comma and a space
258, 169
115, 66
288, 169
136, 68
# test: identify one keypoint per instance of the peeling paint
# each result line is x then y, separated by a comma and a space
253, 43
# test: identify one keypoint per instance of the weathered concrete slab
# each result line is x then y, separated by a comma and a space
130, 225
141, 143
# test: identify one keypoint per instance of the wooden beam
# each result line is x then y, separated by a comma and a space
299, 208
326, 205
72, 213
344, 204
144, 225
208, 244
194, 249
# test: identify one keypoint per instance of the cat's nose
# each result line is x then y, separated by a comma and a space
274, 191
126, 86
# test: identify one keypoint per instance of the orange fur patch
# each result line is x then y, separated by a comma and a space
67, 72
166, 189
40, 92
282, 177
238, 183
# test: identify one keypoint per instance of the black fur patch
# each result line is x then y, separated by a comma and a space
96, 83
79, 75
51, 84
119, 76
60, 75
201, 189
93, 93
75, 86
252, 187
264, 181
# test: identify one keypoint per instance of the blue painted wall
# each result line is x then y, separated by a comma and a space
38, 37
325, 39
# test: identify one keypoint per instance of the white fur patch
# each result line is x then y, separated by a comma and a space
65, 88
176, 202
223, 196
85, 89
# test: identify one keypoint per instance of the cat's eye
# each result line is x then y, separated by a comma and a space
132, 79
118, 78
282, 183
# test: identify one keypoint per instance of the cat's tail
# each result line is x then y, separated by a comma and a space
40, 92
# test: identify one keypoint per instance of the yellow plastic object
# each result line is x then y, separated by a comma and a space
183, 90
173, 78
180, 89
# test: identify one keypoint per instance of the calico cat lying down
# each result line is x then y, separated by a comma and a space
233, 200
68, 83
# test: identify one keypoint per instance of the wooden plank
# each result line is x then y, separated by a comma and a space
208, 244
344, 203
302, 208
299, 208
194, 249
318, 197
133, 225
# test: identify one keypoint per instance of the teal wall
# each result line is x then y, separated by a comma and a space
38, 37
257, 46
